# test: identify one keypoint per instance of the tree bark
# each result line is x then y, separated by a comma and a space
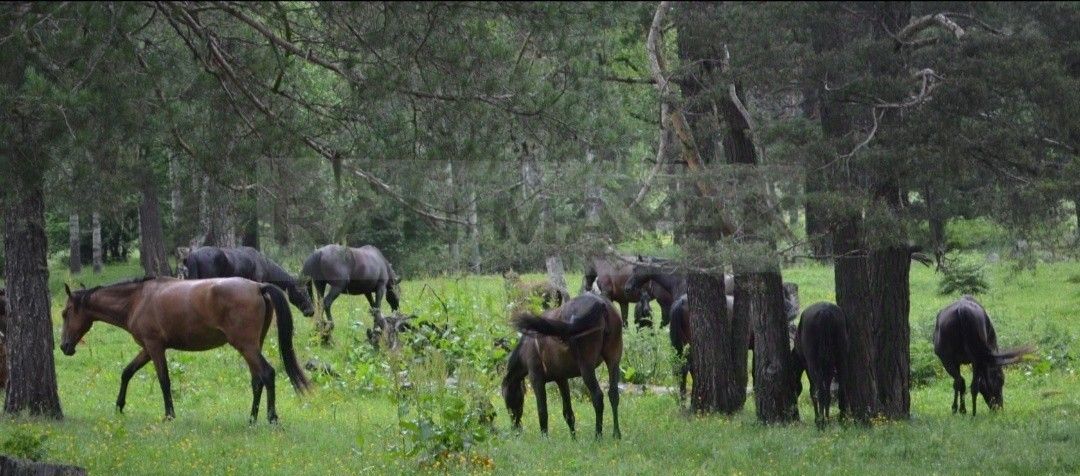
95, 223
152, 254
74, 248
473, 234
890, 266
555, 273
222, 229
852, 276
718, 361
760, 295
32, 385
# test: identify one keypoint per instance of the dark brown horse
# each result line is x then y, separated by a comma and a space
566, 342
353, 271
820, 346
610, 276
963, 334
167, 313
243, 262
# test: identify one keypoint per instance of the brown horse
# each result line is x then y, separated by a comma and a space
610, 276
963, 334
820, 346
566, 342
168, 313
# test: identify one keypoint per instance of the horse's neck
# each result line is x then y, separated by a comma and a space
277, 274
113, 305
675, 284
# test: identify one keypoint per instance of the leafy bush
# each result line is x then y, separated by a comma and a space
444, 422
925, 366
963, 277
22, 444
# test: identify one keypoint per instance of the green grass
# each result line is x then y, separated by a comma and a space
350, 424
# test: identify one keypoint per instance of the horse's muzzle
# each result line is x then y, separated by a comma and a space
68, 348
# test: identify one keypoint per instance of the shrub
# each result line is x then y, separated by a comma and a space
22, 444
963, 277
443, 423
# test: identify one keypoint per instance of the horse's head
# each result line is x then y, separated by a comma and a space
643, 309
791, 301
76, 321
990, 386
393, 291
645, 270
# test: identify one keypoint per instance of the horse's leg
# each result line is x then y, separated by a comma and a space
614, 374
624, 306
664, 317
815, 399
976, 378
137, 363
684, 370
268, 381
588, 374
157, 355
959, 388
541, 401
328, 300
567, 409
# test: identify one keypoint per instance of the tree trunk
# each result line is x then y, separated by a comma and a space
202, 184
717, 359
852, 276
32, 384
761, 296
95, 223
250, 235
280, 204
889, 268
474, 233
222, 229
74, 248
555, 273
152, 254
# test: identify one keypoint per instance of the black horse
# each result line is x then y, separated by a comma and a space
353, 271
243, 262
820, 346
963, 334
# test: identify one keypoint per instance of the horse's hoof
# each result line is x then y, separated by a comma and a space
252, 420
273, 419
120, 408
169, 418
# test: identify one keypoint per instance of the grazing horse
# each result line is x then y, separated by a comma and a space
820, 346
568, 341
659, 275
679, 333
521, 293
243, 262
611, 275
353, 271
168, 313
963, 334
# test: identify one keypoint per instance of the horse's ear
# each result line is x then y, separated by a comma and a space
67, 289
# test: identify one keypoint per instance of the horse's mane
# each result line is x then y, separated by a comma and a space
82, 295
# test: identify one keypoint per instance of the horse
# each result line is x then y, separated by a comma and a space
167, 313
353, 271
243, 262
659, 276
963, 334
820, 346
521, 293
562, 343
679, 334
610, 276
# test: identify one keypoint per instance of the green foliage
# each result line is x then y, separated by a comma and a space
24, 444
440, 422
963, 277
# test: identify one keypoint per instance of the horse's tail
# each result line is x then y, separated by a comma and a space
1013, 355
285, 336
675, 329
577, 325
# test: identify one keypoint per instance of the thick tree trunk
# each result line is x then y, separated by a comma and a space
250, 235
889, 268
152, 254
718, 361
222, 230
761, 296
96, 237
74, 246
32, 385
852, 276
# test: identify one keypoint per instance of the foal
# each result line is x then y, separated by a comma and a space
568, 341
167, 313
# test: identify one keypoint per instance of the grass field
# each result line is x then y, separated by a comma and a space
351, 423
